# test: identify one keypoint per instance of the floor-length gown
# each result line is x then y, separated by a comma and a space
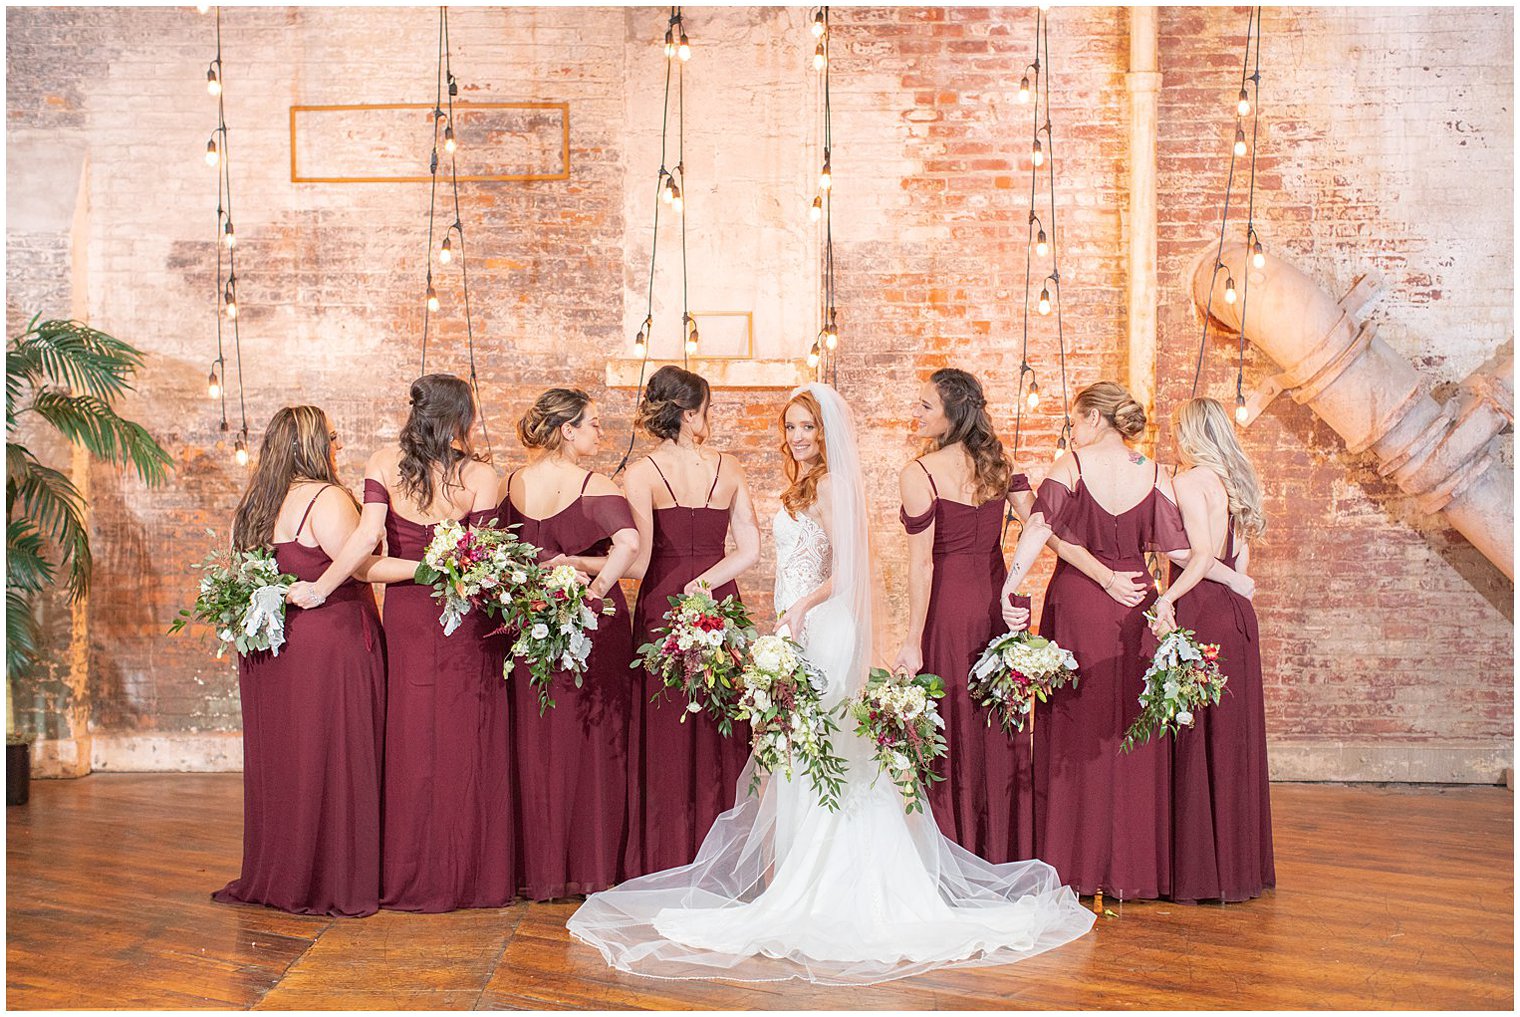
784, 887
984, 801
313, 722
682, 774
1221, 803
1102, 816
570, 763
448, 840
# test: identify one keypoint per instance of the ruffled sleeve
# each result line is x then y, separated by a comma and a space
918, 523
1167, 532
608, 513
375, 492
1019, 482
1056, 502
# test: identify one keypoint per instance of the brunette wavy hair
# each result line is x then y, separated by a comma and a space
966, 409
443, 412
297, 446
802, 488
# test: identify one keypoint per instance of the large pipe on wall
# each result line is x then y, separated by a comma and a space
1332, 360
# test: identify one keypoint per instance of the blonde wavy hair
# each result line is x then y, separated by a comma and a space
802, 488
1206, 438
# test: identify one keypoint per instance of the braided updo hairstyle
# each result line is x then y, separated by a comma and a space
670, 393
1115, 405
554, 408
966, 410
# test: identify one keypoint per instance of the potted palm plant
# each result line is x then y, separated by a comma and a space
68, 376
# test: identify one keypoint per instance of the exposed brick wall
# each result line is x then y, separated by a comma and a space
1368, 162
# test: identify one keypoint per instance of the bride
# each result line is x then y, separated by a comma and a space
783, 887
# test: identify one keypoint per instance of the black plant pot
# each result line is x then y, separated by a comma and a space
18, 773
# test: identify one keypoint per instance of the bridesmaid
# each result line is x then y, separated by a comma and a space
1221, 809
952, 508
571, 762
686, 499
312, 716
448, 840
1101, 817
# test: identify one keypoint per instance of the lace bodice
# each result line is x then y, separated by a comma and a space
803, 557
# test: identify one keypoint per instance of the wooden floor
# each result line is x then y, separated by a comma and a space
1389, 897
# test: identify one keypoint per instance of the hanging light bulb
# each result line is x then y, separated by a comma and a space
830, 333
432, 298
691, 340
1229, 289
826, 176
1024, 89
213, 384
448, 139
814, 354
212, 156
446, 252
668, 191
685, 51
670, 43
1258, 257
1041, 245
1061, 443
640, 344
213, 80
230, 300
1033, 398
819, 59
1044, 300
675, 199
240, 453
1039, 153
1240, 141
1241, 413
818, 25
815, 212
228, 236
1243, 107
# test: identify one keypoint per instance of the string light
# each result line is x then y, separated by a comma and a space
1039, 153
1041, 244
1240, 141
212, 156
1044, 304
1241, 413
449, 145
676, 203
820, 61
684, 52
821, 355
213, 384
1024, 89
641, 338
446, 252
1243, 107
432, 298
1034, 394
229, 298
1258, 257
813, 355
831, 336
224, 304
815, 211
670, 43
818, 25
213, 81
691, 333
1229, 289
826, 175
228, 236
240, 451
668, 189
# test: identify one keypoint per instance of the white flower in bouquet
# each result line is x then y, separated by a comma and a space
562, 577
539, 631
519, 577
693, 707
759, 700
772, 655
1184, 717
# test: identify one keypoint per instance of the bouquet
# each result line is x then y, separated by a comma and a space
549, 614
472, 566
1184, 676
242, 594
898, 714
699, 652
1016, 670
782, 698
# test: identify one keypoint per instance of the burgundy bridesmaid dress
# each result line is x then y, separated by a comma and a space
313, 721
1221, 806
1102, 817
984, 803
683, 775
570, 764
448, 839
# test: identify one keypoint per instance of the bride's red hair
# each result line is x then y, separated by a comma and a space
802, 488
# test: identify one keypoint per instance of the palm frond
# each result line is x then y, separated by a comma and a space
90, 421
72, 354
26, 567
52, 500
22, 633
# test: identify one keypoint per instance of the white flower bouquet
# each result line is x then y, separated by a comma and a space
473, 566
242, 596
781, 695
548, 617
699, 653
1016, 670
898, 713
1183, 678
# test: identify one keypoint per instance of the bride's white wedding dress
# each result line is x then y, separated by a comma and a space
782, 887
